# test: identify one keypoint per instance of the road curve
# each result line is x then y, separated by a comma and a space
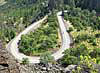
65, 37
12, 46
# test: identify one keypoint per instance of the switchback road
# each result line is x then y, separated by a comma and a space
12, 46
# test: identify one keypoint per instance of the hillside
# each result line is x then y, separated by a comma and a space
83, 56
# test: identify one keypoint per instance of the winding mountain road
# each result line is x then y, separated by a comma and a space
12, 46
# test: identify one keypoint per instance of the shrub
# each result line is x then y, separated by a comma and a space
25, 61
86, 65
70, 29
81, 38
72, 55
97, 35
46, 58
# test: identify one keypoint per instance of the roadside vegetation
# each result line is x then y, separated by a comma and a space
46, 58
16, 15
25, 61
85, 32
43, 39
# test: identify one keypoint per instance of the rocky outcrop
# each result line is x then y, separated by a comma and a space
37, 68
70, 68
7, 63
41, 69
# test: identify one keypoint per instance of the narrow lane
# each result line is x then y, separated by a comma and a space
65, 37
13, 45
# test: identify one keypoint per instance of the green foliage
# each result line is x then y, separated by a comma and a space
97, 35
25, 61
46, 58
7, 33
70, 29
72, 55
95, 53
12, 12
45, 38
84, 4
94, 43
25, 2
89, 4
70, 60
70, 2
82, 37
41, 40
87, 64
81, 19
